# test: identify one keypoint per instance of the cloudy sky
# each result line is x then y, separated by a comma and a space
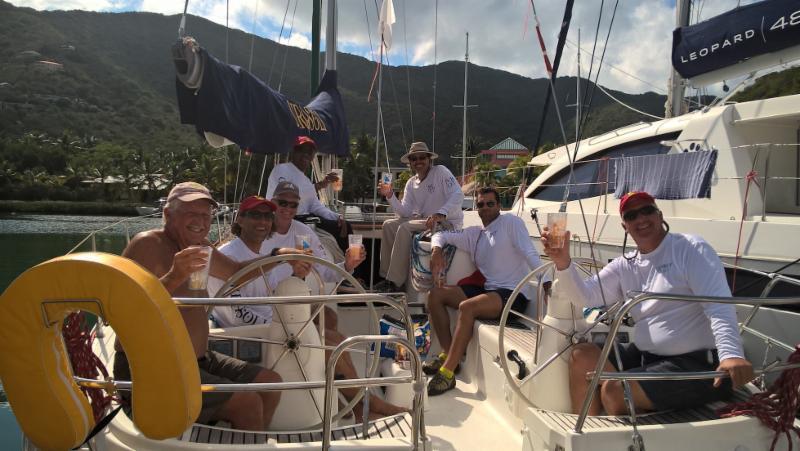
502, 33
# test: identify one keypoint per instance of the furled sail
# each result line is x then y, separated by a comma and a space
225, 102
746, 33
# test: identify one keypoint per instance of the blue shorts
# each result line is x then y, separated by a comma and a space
470, 291
675, 394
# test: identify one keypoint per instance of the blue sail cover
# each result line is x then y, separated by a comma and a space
234, 104
736, 36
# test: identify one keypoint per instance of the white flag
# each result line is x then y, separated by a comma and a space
385, 23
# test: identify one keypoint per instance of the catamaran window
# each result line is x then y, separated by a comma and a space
595, 175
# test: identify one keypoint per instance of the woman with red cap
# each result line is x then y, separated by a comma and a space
668, 336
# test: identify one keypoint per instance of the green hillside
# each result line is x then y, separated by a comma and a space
109, 109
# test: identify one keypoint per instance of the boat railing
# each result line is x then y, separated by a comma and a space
415, 377
636, 299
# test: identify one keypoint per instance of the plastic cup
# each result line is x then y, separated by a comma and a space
355, 242
386, 178
198, 280
557, 225
337, 185
302, 242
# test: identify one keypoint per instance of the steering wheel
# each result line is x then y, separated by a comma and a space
261, 268
584, 265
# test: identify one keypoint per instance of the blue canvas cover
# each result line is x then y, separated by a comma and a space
735, 36
233, 103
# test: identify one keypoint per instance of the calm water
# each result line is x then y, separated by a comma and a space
26, 240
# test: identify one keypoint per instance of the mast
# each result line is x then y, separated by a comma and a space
315, 32
465, 106
675, 103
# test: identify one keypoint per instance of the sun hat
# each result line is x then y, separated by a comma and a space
190, 191
418, 148
634, 195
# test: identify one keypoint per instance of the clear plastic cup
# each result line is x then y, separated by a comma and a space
355, 242
386, 178
198, 280
557, 225
302, 242
337, 185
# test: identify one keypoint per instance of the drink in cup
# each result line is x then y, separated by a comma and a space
386, 179
337, 185
302, 242
198, 280
557, 225
355, 242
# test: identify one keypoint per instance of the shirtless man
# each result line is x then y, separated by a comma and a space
166, 253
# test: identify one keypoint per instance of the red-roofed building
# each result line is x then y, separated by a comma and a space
506, 151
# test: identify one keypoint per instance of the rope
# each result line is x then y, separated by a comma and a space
85, 363
421, 277
776, 407
751, 177
182, 26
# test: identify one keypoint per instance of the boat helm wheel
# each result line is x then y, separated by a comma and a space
515, 382
35, 368
292, 344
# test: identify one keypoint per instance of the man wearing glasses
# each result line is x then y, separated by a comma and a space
668, 336
431, 196
503, 252
294, 171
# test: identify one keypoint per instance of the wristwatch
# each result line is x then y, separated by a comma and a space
274, 252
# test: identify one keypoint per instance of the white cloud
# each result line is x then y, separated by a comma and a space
502, 33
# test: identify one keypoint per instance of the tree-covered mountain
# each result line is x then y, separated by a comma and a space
113, 84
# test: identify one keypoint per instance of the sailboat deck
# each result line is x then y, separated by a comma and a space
565, 422
396, 426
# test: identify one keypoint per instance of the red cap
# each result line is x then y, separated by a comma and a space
300, 140
634, 195
252, 202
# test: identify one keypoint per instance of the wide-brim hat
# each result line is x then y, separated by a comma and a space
630, 198
418, 148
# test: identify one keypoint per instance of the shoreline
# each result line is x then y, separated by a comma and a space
69, 207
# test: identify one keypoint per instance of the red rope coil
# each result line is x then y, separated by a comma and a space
775, 407
85, 363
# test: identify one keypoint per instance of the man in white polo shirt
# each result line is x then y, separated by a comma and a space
669, 336
294, 171
431, 196
502, 250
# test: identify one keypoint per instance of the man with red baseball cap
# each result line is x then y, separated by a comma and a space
668, 336
300, 159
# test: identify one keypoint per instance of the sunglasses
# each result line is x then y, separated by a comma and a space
266, 215
286, 203
488, 203
415, 159
631, 215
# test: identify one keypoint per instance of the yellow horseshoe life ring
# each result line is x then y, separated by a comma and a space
34, 366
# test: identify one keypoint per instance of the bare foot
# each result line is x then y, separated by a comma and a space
378, 408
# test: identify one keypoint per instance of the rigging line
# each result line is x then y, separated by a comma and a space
238, 167
369, 31
244, 179
657, 88
286, 53
252, 38
277, 44
408, 73
599, 69
394, 95
435, 69
626, 105
563, 206
381, 124
227, 30
591, 61
182, 26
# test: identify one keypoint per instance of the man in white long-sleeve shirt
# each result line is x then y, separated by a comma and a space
431, 196
668, 336
294, 171
502, 250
